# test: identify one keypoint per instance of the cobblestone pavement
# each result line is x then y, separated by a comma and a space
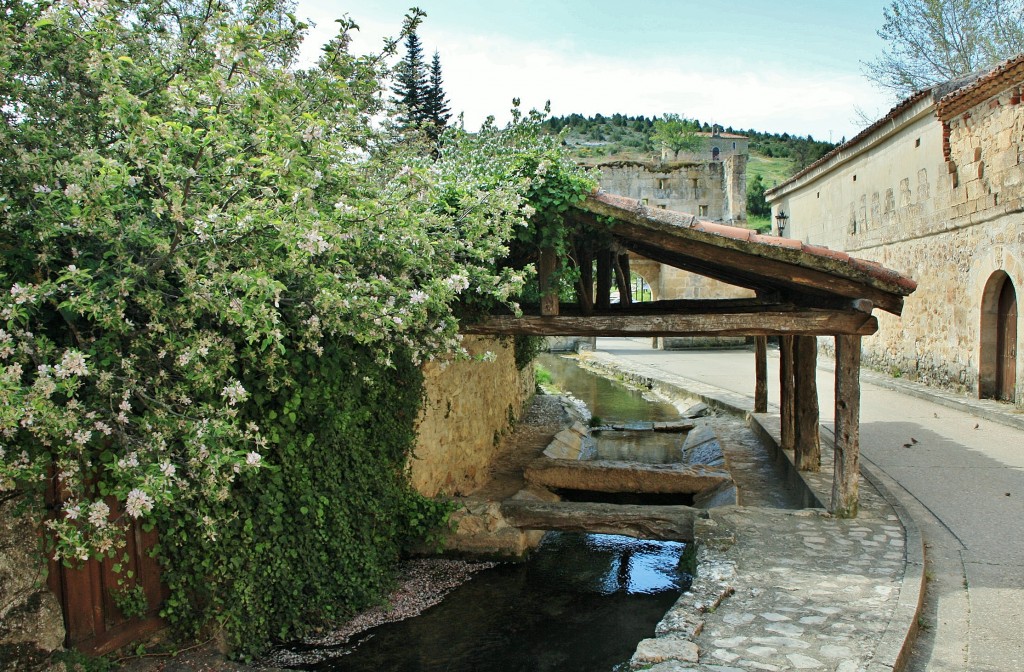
787, 590
781, 589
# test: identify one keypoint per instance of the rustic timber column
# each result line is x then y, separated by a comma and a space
787, 393
622, 280
585, 291
845, 484
548, 285
807, 451
760, 374
604, 279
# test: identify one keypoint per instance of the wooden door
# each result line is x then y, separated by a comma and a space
89, 592
1006, 342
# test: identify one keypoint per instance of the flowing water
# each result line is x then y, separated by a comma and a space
611, 402
581, 602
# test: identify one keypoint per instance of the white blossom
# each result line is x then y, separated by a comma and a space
98, 512
138, 503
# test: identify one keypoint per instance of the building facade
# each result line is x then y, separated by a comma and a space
934, 190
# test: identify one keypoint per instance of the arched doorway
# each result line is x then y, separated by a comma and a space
998, 371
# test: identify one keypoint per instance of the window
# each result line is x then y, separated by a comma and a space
702, 211
917, 143
854, 178
661, 183
644, 201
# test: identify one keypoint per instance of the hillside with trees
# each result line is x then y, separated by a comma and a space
774, 157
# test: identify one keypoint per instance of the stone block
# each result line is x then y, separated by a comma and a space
702, 446
698, 410
574, 443
663, 649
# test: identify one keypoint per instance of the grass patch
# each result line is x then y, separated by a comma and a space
774, 171
760, 224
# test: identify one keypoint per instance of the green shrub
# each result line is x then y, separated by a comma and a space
317, 532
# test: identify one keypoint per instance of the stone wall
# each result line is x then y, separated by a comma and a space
697, 188
31, 622
469, 405
950, 222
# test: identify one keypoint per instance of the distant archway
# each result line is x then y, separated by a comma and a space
998, 360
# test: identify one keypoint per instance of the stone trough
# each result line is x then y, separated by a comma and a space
602, 480
571, 463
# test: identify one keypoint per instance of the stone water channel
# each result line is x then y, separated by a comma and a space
579, 602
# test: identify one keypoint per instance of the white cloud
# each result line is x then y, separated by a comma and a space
483, 73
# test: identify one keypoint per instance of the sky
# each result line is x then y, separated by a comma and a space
791, 66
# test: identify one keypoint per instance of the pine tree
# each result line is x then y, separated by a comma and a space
435, 106
411, 86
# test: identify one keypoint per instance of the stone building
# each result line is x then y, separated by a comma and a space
710, 184
717, 146
935, 190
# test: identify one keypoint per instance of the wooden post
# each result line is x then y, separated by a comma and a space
604, 279
622, 280
787, 393
548, 285
845, 484
760, 374
807, 450
585, 291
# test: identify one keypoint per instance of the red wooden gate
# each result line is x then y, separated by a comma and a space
88, 594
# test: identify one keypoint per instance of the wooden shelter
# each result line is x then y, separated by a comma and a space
801, 292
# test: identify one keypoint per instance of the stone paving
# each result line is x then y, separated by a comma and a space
785, 589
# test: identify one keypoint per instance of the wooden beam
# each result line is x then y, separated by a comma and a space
807, 455
845, 484
758, 270
787, 393
760, 374
670, 523
767, 323
548, 284
683, 233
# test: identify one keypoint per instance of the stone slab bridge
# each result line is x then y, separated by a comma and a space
801, 292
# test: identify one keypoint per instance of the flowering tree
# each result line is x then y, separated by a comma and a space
182, 210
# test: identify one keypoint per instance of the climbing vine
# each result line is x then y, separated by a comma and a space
316, 533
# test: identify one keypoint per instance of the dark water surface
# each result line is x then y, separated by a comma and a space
580, 603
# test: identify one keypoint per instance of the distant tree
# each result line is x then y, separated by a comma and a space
435, 104
757, 206
411, 84
933, 41
676, 133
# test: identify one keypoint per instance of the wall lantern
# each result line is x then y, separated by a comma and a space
780, 221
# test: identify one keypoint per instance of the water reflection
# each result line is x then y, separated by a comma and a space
581, 603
